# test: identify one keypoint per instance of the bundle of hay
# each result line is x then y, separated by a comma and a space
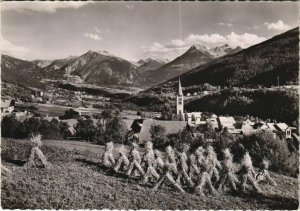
108, 159
37, 158
228, 174
122, 161
248, 173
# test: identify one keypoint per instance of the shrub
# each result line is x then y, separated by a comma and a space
116, 130
262, 145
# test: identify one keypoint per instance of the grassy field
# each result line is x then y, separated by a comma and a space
77, 180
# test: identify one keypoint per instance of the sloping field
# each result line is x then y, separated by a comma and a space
77, 180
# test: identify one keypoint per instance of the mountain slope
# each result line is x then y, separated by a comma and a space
257, 65
193, 57
57, 64
20, 72
42, 63
150, 64
102, 68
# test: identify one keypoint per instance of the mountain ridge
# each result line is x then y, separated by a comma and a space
255, 65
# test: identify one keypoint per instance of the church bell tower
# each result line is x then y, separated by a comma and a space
179, 100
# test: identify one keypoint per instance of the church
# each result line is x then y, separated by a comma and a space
193, 117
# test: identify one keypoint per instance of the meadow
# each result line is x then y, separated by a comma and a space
77, 180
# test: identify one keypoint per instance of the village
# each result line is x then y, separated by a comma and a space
139, 124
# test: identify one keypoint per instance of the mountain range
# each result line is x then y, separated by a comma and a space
20, 72
268, 63
265, 63
196, 55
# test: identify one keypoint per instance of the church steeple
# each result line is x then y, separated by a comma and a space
179, 101
179, 88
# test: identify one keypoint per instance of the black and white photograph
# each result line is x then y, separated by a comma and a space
149, 105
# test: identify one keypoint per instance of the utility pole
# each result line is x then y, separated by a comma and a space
277, 81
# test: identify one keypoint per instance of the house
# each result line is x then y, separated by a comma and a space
194, 117
7, 106
282, 127
212, 121
128, 123
141, 127
227, 122
245, 127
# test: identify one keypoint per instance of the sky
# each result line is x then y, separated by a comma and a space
137, 30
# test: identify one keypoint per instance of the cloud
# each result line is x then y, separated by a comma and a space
280, 26
9, 48
48, 7
92, 36
97, 30
243, 40
177, 46
225, 24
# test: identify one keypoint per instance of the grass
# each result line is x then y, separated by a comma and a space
78, 181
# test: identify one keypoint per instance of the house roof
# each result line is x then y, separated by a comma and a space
195, 114
227, 122
128, 123
224, 119
171, 127
271, 126
281, 126
239, 125
5, 103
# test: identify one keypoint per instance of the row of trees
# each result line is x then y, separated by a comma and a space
108, 127
53, 129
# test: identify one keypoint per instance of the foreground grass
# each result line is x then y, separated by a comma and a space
78, 181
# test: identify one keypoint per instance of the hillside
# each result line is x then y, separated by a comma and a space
57, 64
101, 68
42, 63
20, 72
146, 69
77, 180
277, 104
193, 57
150, 64
260, 64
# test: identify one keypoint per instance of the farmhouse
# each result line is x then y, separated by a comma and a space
282, 127
227, 122
7, 106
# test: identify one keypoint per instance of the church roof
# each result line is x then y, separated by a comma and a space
179, 88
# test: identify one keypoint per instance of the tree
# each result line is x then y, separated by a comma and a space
85, 129
262, 144
116, 130
12, 128
64, 129
106, 114
33, 125
184, 137
166, 112
158, 136
70, 114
